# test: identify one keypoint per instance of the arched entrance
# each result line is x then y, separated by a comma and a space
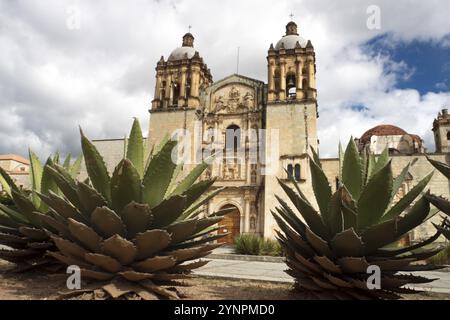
231, 224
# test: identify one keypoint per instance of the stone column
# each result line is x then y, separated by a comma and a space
312, 78
183, 86
157, 87
298, 65
282, 93
247, 215
271, 86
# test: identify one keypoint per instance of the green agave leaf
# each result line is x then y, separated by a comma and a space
315, 157
66, 163
107, 223
190, 179
203, 200
47, 183
7, 182
351, 170
96, 167
25, 206
125, 185
334, 219
297, 187
364, 163
56, 157
375, 197
312, 218
35, 177
321, 188
415, 216
61, 206
379, 235
441, 167
76, 167
370, 166
158, 175
137, 218
168, 211
174, 180
67, 187
14, 215
388, 252
89, 198
398, 181
404, 202
381, 162
135, 147
196, 191
347, 244
341, 160
290, 217
439, 202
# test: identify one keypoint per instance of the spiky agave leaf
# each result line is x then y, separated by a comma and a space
143, 236
440, 202
328, 251
22, 230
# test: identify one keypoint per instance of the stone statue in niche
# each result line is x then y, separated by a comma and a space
252, 223
249, 100
230, 171
234, 98
220, 104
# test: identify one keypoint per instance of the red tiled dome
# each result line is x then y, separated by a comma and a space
382, 130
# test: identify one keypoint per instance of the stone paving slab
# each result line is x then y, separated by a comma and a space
274, 272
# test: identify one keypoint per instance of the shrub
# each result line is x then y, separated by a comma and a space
442, 257
254, 245
269, 247
247, 244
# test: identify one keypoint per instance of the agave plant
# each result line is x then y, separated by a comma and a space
135, 231
23, 234
328, 251
440, 202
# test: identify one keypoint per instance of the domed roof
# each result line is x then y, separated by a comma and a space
289, 41
186, 50
382, 130
181, 53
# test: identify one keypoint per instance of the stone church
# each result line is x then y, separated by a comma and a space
284, 110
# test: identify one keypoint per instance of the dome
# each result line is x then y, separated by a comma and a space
382, 130
181, 52
289, 41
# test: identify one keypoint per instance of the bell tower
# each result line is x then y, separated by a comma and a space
179, 82
179, 79
441, 130
291, 113
291, 68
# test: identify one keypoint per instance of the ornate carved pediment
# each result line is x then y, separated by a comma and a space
233, 99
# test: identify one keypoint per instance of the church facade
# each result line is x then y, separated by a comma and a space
264, 132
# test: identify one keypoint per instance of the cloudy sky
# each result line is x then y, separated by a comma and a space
65, 63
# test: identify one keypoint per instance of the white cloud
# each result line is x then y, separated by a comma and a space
53, 79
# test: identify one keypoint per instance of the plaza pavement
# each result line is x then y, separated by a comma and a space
274, 272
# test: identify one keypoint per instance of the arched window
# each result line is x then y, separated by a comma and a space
291, 88
290, 171
304, 84
233, 138
448, 138
297, 172
176, 93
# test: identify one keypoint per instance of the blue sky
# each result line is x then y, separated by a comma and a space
427, 62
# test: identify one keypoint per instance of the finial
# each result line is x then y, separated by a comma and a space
189, 28
291, 16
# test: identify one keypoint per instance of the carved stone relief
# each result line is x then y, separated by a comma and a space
233, 99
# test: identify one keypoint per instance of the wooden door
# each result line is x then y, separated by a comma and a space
230, 224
